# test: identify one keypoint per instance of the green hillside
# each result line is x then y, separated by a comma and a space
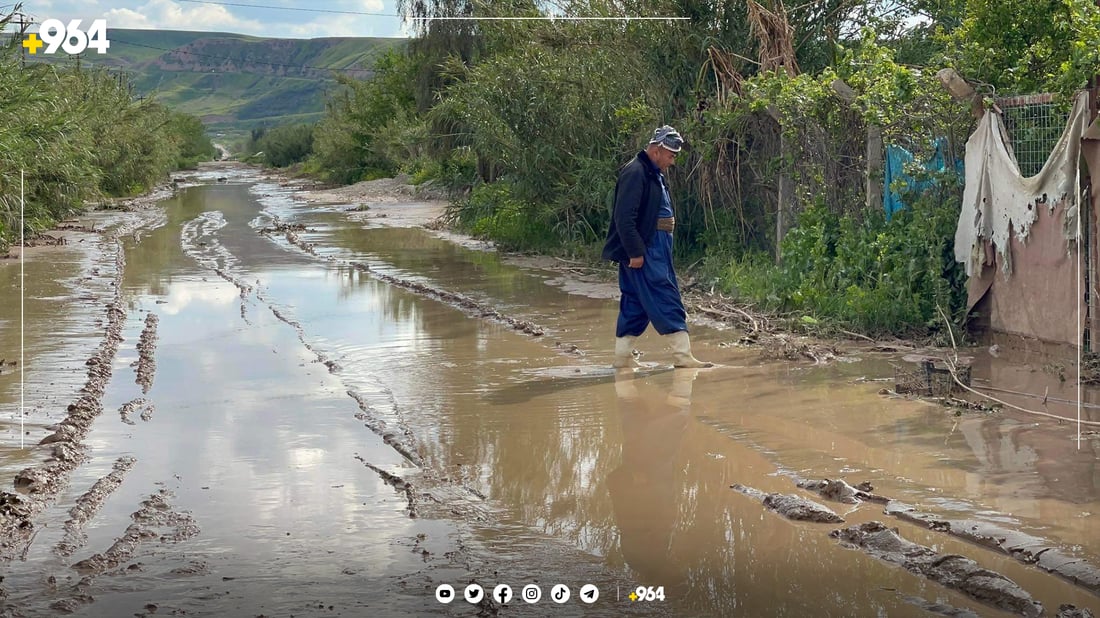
235, 82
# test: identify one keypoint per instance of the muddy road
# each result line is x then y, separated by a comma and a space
243, 403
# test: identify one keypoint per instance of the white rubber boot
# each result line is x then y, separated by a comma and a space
624, 353
681, 351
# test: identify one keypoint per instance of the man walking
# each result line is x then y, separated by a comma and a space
640, 240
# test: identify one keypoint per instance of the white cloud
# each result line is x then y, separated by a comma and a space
165, 14
125, 18
331, 26
373, 6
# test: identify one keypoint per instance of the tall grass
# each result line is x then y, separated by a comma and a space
76, 135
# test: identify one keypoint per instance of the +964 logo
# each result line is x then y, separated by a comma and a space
70, 38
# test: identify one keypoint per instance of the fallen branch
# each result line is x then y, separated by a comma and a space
857, 335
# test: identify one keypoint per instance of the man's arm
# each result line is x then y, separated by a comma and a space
627, 202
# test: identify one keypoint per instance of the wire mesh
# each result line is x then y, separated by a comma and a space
1033, 124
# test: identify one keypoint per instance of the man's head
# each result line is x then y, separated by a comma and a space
664, 145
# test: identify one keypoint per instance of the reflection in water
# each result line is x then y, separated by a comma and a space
629, 469
645, 489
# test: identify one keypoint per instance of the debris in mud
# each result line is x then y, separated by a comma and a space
950, 570
146, 347
841, 491
282, 228
1019, 545
787, 347
89, 504
44, 240
74, 227
791, 506
930, 379
1067, 610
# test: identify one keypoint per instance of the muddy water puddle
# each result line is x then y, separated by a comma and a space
325, 428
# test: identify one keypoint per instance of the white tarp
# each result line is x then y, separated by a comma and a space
998, 199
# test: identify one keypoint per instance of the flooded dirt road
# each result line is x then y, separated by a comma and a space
242, 404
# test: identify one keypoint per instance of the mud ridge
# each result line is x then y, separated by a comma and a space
129, 407
88, 505
792, 506
41, 483
400, 442
1021, 546
951, 570
146, 347
840, 491
397, 483
154, 520
454, 299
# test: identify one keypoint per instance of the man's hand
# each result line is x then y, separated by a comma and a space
636, 262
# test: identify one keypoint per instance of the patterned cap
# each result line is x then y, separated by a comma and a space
668, 137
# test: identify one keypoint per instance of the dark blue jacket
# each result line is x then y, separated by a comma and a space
637, 202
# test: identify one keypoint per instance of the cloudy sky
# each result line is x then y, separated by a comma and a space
374, 18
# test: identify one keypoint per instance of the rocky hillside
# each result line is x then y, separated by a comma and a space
236, 82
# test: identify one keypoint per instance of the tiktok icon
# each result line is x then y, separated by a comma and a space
560, 593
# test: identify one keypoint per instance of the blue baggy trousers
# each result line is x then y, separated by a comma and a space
650, 293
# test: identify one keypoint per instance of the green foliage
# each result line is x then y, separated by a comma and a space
1028, 46
872, 275
194, 143
493, 212
76, 135
370, 130
282, 146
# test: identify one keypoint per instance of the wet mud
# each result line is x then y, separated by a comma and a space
146, 365
839, 490
1024, 547
154, 521
128, 409
792, 506
40, 483
486, 456
88, 504
951, 570
469, 305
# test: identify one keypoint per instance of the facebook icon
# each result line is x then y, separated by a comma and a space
502, 593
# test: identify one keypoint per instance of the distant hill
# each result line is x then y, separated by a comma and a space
236, 82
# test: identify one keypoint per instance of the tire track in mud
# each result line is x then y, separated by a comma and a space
88, 504
146, 364
39, 485
400, 440
440, 497
464, 303
155, 520
206, 225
